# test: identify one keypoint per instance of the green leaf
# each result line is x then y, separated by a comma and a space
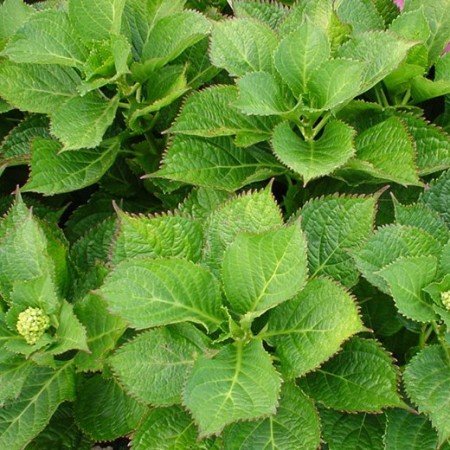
13, 14
37, 88
23, 418
311, 327
96, 21
334, 82
243, 45
420, 216
157, 237
332, 226
16, 146
437, 196
361, 377
424, 89
296, 425
260, 271
385, 151
104, 411
208, 113
103, 331
144, 365
251, 212
238, 383
168, 429
387, 245
427, 382
216, 163
201, 202
148, 293
260, 94
14, 371
55, 172
47, 38
270, 13
171, 36
407, 431
299, 54
390, 50
362, 15
314, 158
82, 121
412, 25
353, 431
406, 278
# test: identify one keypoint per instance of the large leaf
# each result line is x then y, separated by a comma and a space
13, 14
361, 377
299, 53
437, 196
23, 418
406, 278
47, 38
103, 331
147, 293
251, 212
209, 113
14, 371
82, 121
314, 158
104, 411
260, 271
154, 366
332, 226
312, 326
387, 245
96, 21
216, 163
427, 382
295, 426
407, 431
238, 383
362, 15
353, 431
55, 172
157, 237
37, 88
243, 45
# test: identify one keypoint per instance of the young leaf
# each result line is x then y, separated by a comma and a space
217, 163
55, 172
270, 13
37, 88
314, 158
148, 293
332, 226
296, 425
157, 237
437, 196
260, 271
104, 411
353, 431
362, 15
243, 45
387, 245
361, 377
260, 94
168, 429
47, 38
238, 383
201, 202
23, 418
406, 278
253, 212
209, 113
427, 382
154, 366
82, 121
407, 431
311, 327
299, 53
96, 21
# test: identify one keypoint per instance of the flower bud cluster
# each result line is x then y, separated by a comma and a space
32, 324
445, 297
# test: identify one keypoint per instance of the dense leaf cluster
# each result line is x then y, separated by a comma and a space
230, 224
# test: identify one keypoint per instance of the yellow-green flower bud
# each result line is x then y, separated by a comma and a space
445, 297
32, 324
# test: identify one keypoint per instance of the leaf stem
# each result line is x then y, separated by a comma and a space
437, 330
321, 124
